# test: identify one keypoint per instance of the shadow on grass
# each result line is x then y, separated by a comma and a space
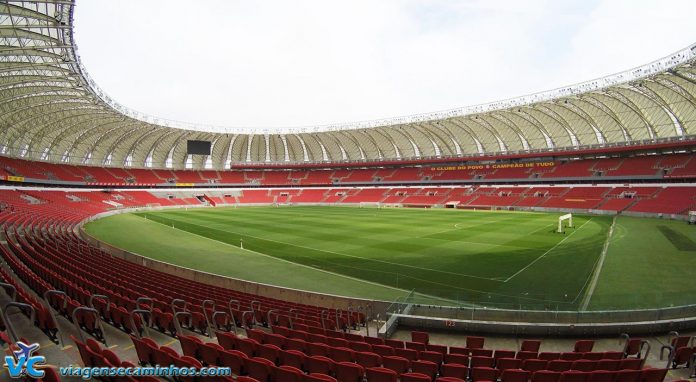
678, 239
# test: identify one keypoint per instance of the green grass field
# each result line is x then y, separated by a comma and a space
502, 259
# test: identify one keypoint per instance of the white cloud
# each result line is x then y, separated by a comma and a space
292, 63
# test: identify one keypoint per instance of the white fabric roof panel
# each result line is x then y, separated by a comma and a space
50, 109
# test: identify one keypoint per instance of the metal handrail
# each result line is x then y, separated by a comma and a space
149, 304
253, 317
8, 323
257, 303
350, 316
218, 313
10, 290
324, 315
269, 318
339, 314
97, 320
142, 312
672, 335
175, 302
290, 321
143, 300
625, 337
177, 325
294, 311
52, 311
101, 296
644, 357
367, 325
204, 306
233, 320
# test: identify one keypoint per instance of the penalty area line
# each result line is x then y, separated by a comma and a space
546, 253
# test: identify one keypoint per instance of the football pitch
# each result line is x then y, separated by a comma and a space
454, 257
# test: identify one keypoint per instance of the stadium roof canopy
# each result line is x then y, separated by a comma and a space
51, 110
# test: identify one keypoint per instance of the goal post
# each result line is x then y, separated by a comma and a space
561, 219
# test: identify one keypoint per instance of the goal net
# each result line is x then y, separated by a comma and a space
370, 204
564, 218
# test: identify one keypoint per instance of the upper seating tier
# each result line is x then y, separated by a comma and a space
639, 167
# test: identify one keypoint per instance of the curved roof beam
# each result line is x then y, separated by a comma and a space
46, 95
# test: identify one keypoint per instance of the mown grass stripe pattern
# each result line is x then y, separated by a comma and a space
464, 256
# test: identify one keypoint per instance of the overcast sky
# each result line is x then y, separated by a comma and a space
297, 63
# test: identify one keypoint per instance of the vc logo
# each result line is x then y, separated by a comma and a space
23, 363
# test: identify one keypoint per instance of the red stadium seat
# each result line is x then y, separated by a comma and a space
349, 372
477, 361
474, 342
574, 376
508, 363
269, 352
603, 376
545, 376
432, 356
398, 364
561, 365
652, 375
319, 378
550, 356
235, 360
368, 360
414, 377
341, 354
260, 369
514, 375
583, 365
534, 365
457, 358
380, 374
383, 350
530, 345
627, 376
289, 374
484, 374
420, 337
210, 353
583, 346
425, 367
608, 364
246, 379
409, 354
454, 370
319, 365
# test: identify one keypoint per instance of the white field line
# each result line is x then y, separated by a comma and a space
437, 298
457, 303
598, 268
492, 244
277, 258
340, 254
457, 227
547, 252
310, 267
